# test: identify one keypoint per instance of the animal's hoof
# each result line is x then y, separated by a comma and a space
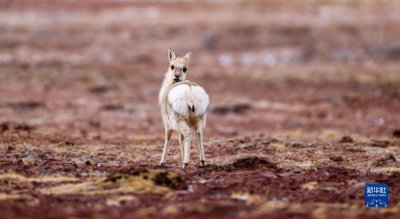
185, 165
203, 163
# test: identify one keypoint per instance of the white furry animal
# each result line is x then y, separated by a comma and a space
183, 108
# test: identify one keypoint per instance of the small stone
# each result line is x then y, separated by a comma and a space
269, 174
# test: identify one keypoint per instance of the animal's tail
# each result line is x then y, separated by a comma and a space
188, 100
191, 107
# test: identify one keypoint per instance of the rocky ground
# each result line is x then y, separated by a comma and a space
305, 100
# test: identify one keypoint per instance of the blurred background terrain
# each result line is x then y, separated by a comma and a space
305, 99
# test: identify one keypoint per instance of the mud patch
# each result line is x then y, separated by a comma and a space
396, 133
15, 127
235, 109
380, 143
252, 163
87, 81
168, 179
25, 105
100, 89
112, 107
346, 139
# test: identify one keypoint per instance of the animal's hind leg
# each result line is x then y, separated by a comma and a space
201, 147
181, 139
168, 134
187, 138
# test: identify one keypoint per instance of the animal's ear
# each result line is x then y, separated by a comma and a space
171, 55
187, 56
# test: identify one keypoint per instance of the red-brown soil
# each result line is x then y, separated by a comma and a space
305, 100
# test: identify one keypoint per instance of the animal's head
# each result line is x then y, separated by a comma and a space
178, 66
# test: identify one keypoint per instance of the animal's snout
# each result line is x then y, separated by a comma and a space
177, 78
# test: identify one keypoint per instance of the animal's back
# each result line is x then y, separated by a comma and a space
188, 100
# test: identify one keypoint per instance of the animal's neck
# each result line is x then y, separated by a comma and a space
166, 84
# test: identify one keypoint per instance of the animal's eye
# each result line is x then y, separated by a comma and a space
184, 69
172, 67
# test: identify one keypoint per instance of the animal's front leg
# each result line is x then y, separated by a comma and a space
168, 134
